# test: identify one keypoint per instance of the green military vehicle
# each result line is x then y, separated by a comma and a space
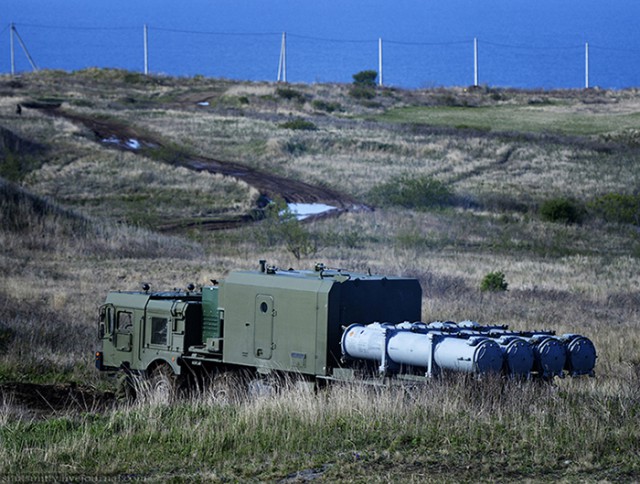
266, 321
320, 325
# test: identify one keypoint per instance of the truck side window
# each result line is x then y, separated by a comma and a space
125, 322
159, 331
109, 320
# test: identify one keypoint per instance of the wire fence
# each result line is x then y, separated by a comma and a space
295, 57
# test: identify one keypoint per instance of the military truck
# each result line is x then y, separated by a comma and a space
319, 325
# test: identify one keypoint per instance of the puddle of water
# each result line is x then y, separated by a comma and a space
134, 144
131, 143
304, 210
111, 139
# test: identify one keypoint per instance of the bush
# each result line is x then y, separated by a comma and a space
365, 78
418, 193
282, 226
329, 107
617, 208
562, 210
494, 282
290, 94
362, 92
300, 124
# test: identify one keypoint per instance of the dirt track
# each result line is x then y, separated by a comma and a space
31, 400
120, 136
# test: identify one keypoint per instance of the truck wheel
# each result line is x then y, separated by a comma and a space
127, 387
165, 384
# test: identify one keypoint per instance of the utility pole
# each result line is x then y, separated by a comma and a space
586, 65
380, 61
146, 50
13, 51
282, 64
475, 61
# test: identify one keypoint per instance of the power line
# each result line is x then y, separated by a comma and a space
75, 27
614, 49
556, 48
322, 39
336, 41
203, 32
532, 47
435, 44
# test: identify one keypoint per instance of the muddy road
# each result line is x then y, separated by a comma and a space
117, 135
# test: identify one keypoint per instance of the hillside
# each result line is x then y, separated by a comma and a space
111, 179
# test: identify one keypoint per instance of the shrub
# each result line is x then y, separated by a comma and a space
327, 106
419, 193
280, 225
295, 147
562, 210
618, 208
494, 282
362, 92
365, 78
290, 94
300, 124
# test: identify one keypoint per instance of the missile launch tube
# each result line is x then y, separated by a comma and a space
549, 353
433, 351
519, 355
581, 355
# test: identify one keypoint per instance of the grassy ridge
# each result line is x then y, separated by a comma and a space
72, 231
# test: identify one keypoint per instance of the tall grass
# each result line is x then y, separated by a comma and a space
460, 428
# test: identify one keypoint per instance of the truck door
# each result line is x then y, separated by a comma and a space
263, 327
117, 337
124, 331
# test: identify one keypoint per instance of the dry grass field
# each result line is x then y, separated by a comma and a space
79, 217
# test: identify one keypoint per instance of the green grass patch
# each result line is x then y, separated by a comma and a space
420, 193
515, 118
617, 208
299, 124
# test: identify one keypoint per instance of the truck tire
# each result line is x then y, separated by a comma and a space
127, 388
164, 384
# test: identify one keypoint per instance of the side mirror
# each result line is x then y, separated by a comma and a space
101, 330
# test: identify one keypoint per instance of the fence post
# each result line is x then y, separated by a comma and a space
586, 65
146, 49
380, 61
475, 61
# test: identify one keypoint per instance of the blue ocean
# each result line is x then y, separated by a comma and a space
525, 44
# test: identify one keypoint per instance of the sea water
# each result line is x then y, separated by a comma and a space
526, 44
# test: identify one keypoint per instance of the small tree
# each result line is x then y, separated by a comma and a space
281, 225
494, 282
365, 78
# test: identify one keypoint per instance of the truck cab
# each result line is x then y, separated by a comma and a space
140, 330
